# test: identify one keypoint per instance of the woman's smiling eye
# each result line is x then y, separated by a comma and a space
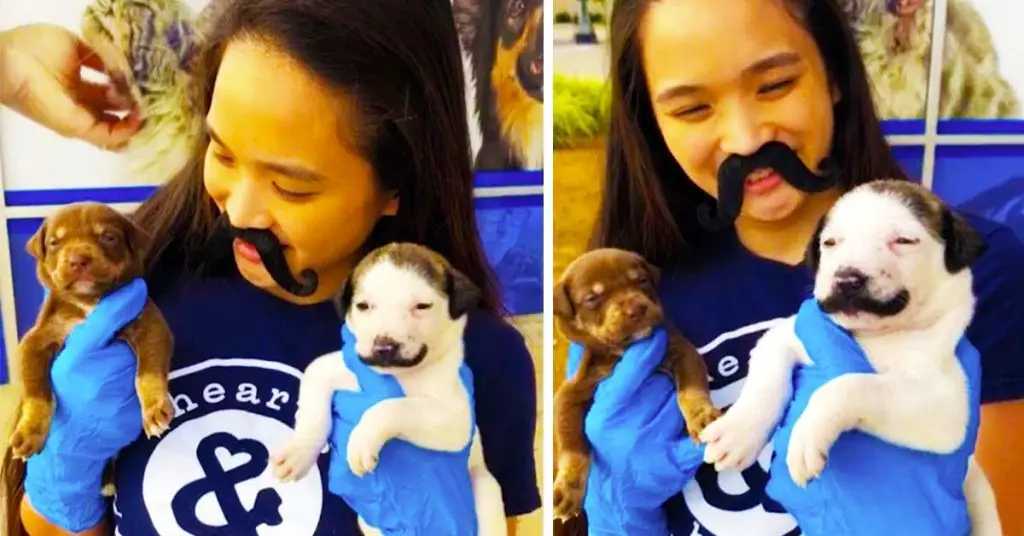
776, 87
298, 196
905, 241
423, 306
224, 159
692, 112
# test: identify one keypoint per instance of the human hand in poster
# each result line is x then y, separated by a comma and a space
40, 78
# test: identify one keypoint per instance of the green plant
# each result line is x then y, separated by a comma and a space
580, 110
564, 18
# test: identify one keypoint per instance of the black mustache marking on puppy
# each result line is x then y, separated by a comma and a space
271, 254
732, 177
850, 295
393, 359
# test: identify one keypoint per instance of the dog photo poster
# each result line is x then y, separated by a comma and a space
502, 45
982, 77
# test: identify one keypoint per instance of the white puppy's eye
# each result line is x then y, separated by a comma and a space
829, 242
423, 306
362, 306
907, 241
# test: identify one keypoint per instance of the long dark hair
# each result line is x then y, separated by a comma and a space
650, 204
400, 62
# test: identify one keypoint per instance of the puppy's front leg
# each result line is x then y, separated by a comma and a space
490, 507
36, 352
571, 403
926, 413
691, 379
427, 422
981, 502
736, 438
151, 340
321, 378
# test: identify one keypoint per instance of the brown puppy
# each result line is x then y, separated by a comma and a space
605, 300
84, 251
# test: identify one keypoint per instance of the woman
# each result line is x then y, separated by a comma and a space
695, 83
336, 127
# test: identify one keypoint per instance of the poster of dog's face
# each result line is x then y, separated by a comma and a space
503, 47
981, 76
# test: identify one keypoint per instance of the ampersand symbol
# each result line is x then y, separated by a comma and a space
223, 484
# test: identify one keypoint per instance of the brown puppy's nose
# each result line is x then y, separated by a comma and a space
634, 309
79, 261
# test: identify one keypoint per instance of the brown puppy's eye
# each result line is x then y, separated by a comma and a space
109, 239
362, 306
591, 300
52, 242
423, 306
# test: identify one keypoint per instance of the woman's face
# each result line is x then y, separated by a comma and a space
281, 157
727, 76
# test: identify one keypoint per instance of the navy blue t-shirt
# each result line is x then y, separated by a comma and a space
239, 356
725, 305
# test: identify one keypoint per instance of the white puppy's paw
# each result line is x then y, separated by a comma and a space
364, 446
294, 459
734, 440
813, 436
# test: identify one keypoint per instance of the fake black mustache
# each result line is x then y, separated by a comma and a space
271, 254
732, 177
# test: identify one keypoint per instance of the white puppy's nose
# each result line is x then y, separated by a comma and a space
385, 348
850, 280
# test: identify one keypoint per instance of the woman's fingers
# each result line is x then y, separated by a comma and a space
103, 97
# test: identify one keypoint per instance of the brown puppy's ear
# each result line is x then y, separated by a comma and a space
653, 272
463, 294
963, 244
563, 307
343, 299
138, 240
813, 255
36, 245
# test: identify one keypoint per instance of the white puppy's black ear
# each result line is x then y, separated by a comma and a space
813, 255
963, 244
463, 294
343, 299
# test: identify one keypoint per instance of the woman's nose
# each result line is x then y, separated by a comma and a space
246, 205
742, 132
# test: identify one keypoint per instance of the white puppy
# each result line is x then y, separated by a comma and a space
406, 307
892, 267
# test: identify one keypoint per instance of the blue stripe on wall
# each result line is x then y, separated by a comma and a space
135, 194
981, 126
902, 127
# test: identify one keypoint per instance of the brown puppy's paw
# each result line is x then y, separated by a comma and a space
699, 417
27, 440
568, 496
157, 411
108, 490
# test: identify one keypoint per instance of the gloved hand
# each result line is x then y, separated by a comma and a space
412, 491
97, 413
641, 454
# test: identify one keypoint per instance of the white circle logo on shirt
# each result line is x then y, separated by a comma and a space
730, 502
209, 475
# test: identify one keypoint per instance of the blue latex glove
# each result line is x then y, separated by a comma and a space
97, 413
413, 491
641, 454
870, 486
